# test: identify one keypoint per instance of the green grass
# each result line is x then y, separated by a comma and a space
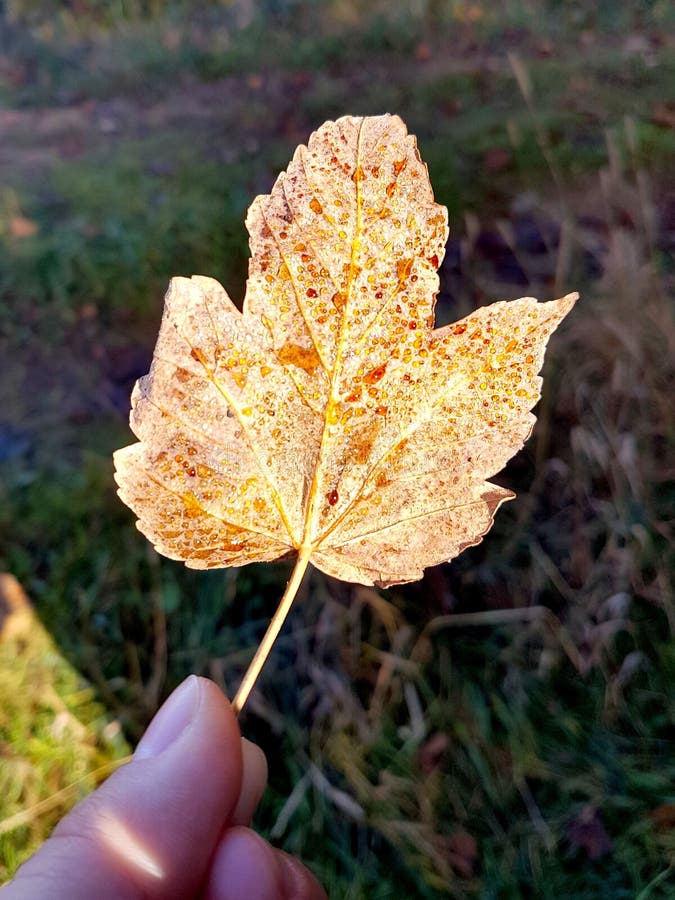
96, 239
54, 734
537, 722
115, 225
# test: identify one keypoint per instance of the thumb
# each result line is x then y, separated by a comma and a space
150, 830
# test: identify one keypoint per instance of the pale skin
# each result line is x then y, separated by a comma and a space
174, 823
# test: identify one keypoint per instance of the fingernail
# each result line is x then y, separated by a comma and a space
245, 866
297, 881
255, 772
253, 783
171, 720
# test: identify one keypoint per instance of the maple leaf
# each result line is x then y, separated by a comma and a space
329, 417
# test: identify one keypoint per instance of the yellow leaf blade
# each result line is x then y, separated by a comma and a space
328, 417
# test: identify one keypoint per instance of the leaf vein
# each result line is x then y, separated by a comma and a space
299, 303
245, 427
212, 515
312, 494
413, 518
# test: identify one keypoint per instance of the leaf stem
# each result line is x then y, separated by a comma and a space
273, 630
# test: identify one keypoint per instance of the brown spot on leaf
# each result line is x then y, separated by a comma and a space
192, 506
199, 355
303, 357
403, 267
375, 374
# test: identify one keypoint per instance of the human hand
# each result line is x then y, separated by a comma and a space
173, 822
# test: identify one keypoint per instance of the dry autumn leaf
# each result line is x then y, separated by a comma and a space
329, 418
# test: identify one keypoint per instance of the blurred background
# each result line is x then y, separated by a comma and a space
502, 729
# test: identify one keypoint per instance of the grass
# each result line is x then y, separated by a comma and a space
505, 727
54, 733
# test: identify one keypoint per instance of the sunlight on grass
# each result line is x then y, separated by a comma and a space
53, 732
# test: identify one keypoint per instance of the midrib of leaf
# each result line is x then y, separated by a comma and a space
312, 504
307, 547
